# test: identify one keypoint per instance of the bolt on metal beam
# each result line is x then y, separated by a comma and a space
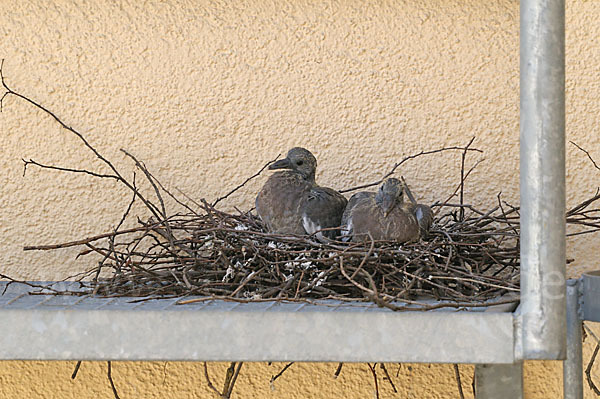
542, 178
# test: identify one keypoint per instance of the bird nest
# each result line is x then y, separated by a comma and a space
469, 256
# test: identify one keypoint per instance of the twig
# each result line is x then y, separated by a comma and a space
588, 371
387, 376
391, 172
245, 181
234, 379
209, 382
374, 372
62, 169
77, 366
586, 153
116, 173
164, 373
462, 178
275, 377
85, 240
112, 383
458, 381
338, 370
230, 377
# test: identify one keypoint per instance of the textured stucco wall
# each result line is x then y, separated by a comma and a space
206, 92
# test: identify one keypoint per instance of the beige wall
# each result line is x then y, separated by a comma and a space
206, 92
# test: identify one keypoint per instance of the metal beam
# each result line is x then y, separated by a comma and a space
590, 285
542, 179
499, 381
573, 365
75, 328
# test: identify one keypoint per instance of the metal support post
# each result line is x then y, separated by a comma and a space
499, 381
573, 365
542, 179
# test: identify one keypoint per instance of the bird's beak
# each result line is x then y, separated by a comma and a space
387, 204
281, 164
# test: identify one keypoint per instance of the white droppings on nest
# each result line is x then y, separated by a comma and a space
289, 265
251, 295
301, 261
272, 245
228, 274
241, 227
321, 279
289, 277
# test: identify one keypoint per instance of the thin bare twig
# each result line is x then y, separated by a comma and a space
462, 177
374, 372
586, 153
62, 169
234, 379
245, 181
387, 377
458, 381
76, 370
283, 370
398, 164
209, 382
112, 383
588, 371
338, 370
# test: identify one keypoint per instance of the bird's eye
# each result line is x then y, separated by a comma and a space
299, 163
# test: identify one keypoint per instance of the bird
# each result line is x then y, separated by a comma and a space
385, 216
291, 202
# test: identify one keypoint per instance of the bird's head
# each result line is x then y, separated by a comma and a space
299, 160
389, 195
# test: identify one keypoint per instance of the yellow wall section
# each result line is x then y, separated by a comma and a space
302, 380
206, 92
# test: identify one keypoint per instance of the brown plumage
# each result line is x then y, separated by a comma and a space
385, 216
291, 202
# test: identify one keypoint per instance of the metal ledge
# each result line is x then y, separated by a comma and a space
41, 327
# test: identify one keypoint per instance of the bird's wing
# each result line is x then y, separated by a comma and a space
424, 216
323, 209
347, 225
279, 202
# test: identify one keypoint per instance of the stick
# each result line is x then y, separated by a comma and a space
112, 383
458, 382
